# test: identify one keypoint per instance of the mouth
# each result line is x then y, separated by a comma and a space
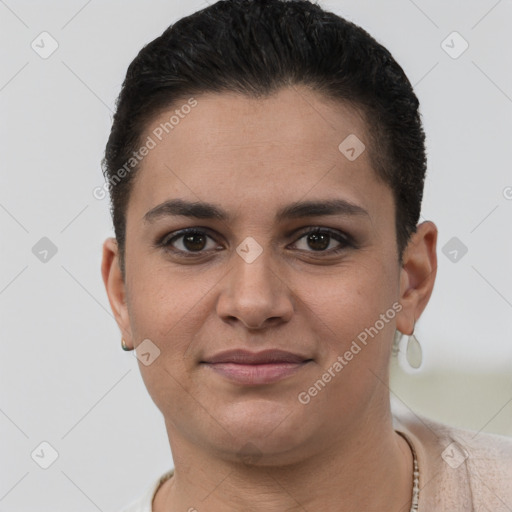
253, 369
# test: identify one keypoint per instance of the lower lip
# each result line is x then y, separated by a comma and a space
256, 374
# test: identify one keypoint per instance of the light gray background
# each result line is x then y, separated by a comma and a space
65, 379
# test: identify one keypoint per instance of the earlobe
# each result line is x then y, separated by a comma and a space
115, 286
417, 275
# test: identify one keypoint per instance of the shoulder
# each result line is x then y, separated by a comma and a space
488, 458
460, 465
145, 502
480, 449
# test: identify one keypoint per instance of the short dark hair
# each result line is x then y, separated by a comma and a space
256, 47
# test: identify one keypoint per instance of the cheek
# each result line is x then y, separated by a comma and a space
352, 316
353, 320
351, 298
169, 308
167, 311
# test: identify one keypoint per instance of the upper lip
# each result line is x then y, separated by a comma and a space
265, 356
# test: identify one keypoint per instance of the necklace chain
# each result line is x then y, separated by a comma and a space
415, 474
416, 482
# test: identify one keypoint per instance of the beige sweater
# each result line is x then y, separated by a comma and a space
460, 470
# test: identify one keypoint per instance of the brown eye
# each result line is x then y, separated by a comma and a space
194, 242
323, 240
187, 242
318, 241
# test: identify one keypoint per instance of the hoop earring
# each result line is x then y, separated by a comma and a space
124, 346
409, 352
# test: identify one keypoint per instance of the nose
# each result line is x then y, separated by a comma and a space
255, 294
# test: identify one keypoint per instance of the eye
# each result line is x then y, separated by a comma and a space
321, 240
188, 242
193, 242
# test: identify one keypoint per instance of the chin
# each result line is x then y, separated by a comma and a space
265, 426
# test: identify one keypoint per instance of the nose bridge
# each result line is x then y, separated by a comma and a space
254, 291
253, 269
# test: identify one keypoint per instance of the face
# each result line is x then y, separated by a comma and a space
295, 251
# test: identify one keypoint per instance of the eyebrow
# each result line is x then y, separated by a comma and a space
202, 210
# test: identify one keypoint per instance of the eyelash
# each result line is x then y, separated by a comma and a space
166, 241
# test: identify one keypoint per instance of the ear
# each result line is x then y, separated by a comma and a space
417, 275
115, 286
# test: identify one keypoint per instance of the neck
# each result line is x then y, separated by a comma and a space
369, 470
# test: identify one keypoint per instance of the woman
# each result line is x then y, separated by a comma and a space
266, 167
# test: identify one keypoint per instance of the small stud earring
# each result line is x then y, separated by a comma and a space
124, 347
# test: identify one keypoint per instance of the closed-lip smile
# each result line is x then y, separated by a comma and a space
255, 368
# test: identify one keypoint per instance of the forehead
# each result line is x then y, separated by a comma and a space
238, 150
